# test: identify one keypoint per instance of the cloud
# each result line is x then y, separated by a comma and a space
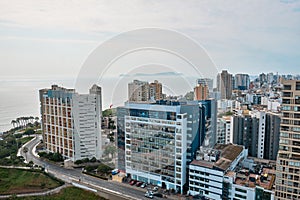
233, 32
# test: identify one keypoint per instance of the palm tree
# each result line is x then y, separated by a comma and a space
13, 122
36, 118
18, 122
26, 121
31, 118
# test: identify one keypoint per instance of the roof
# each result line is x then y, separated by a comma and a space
229, 151
265, 180
203, 163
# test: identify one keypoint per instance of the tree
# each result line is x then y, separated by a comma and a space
29, 131
57, 157
14, 122
37, 119
110, 150
18, 122
104, 169
31, 118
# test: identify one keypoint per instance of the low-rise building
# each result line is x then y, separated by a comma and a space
206, 174
225, 172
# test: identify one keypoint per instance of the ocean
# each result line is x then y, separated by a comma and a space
19, 96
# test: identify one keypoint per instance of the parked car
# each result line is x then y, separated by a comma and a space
149, 195
143, 185
138, 184
115, 171
132, 182
155, 189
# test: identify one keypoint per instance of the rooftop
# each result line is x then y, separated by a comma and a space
265, 179
203, 163
221, 157
229, 151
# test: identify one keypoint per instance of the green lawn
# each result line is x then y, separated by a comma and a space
69, 193
13, 181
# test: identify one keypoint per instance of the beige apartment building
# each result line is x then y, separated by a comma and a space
288, 159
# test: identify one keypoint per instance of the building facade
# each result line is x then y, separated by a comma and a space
155, 91
242, 81
224, 130
206, 81
71, 122
258, 131
156, 141
138, 91
142, 91
201, 92
288, 160
207, 171
225, 172
225, 84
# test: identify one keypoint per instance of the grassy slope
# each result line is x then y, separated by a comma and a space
22, 181
69, 193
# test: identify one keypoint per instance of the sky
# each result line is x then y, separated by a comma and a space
54, 38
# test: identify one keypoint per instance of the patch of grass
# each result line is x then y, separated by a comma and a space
69, 193
13, 181
25, 140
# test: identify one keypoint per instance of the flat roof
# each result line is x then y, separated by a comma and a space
229, 151
265, 180
203, 163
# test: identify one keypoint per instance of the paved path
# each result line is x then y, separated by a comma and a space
49, 192
74, 175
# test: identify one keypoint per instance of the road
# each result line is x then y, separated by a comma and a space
120, 191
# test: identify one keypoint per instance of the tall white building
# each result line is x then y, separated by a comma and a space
224, 135
71, 122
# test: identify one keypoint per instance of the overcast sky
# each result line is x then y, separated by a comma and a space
54, 38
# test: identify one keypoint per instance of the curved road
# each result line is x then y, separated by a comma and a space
73, 175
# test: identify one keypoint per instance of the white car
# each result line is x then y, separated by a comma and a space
149, 195
143, 185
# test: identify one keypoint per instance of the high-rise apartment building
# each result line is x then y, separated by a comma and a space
225, 84
223, 130
201, 92
71, 122
138, 91
206, 81
242, 81
288, 160
272, 133
142, 91
258, 131
208, 123
156, 90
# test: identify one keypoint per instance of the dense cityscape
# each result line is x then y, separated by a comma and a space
238, 140
147, 99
